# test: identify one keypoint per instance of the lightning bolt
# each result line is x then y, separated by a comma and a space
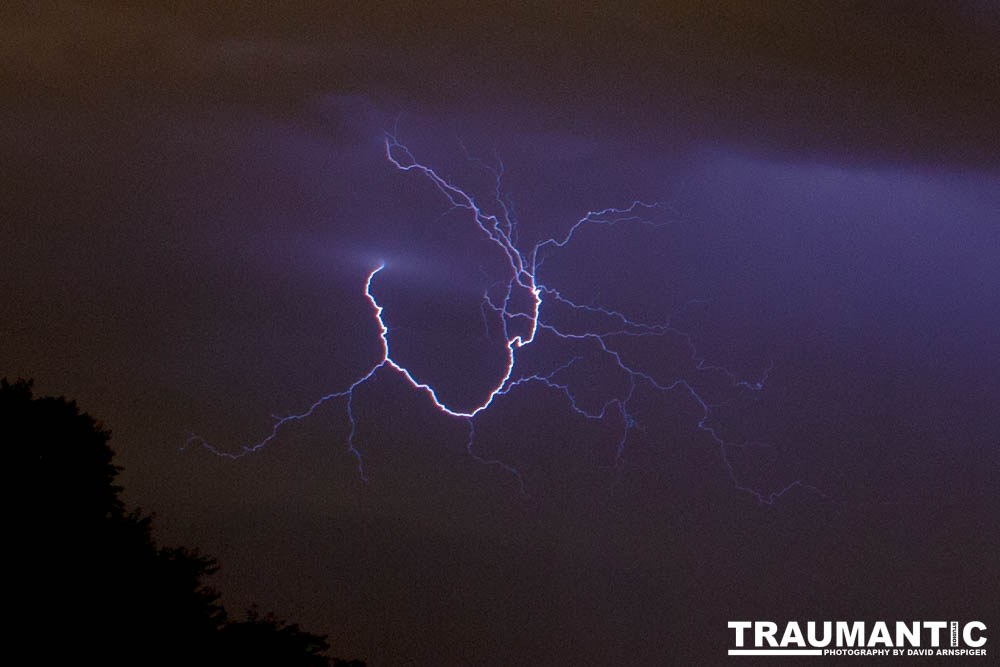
522, 326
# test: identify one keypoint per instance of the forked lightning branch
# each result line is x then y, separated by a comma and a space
520, 306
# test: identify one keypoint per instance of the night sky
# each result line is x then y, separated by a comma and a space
192, 199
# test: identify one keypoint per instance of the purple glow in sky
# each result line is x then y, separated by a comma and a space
522, 324
196, 201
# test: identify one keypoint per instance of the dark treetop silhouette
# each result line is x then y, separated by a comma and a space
89, 579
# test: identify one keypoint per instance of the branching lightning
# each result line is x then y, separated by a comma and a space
521, 326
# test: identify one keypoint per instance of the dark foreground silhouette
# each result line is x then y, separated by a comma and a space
89, 583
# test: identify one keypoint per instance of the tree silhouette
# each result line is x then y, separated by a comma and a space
268, 639
89, 581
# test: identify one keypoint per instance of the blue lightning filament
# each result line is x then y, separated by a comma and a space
501, 230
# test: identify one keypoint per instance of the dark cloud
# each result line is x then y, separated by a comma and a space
867, 82
191, 197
